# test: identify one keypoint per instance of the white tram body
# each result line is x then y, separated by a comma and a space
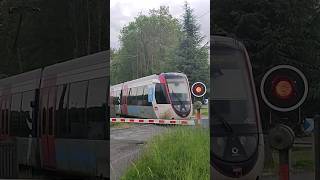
237, 146
158, 96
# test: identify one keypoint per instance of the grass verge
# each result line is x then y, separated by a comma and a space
181, 153
119, 125
204, 111
301, 160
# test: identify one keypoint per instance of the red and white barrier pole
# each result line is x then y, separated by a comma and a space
153, 121
284, 173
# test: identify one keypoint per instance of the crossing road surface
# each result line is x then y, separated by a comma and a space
126, 144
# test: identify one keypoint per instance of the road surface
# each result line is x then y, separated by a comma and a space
126, 144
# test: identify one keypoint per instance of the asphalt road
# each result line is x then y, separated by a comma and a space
126, 144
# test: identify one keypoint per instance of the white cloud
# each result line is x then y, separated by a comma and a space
124, 11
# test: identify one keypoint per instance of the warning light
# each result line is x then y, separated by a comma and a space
283, 88
198, 89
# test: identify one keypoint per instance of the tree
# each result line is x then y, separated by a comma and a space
275, 32
62, 30
147, 46
192, 56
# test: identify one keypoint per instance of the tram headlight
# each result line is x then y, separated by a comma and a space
182, 108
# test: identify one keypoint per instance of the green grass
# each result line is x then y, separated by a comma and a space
180, 153
119, 125
204, 110
301, 160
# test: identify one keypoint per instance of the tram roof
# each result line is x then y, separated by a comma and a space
223, 41
20, 82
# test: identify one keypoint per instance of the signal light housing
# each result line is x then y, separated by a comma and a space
284, 88
198, 89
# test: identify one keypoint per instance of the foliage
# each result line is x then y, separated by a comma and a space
61, 30
192, 57
275, 32
147, 46
156, 43
188, 158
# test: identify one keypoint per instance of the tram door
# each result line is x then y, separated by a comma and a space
124, 107
48, 155
4, 116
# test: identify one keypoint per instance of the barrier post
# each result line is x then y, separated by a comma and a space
197, 106
198, 117
284, 164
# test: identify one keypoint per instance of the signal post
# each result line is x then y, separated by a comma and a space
198, 89
283, 88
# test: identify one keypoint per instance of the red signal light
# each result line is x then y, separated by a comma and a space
198, 89
283, 88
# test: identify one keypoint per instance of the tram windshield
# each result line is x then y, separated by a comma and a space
179, 94
233, 108
232, 98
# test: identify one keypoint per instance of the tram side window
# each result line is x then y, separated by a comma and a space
118, 98
129, 97
145, 97
96, 108
15, 117
61, 111
1, 117
26, 113
76, 107
5, 103
161, 97
44, 110
139, 96
134, 96
114, 98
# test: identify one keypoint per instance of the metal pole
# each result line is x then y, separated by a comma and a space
316, 132
198, 117
284, 165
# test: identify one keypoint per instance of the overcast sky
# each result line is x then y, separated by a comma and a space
124, 11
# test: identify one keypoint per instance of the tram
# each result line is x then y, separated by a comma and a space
57, 115
237, 147
158, 96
